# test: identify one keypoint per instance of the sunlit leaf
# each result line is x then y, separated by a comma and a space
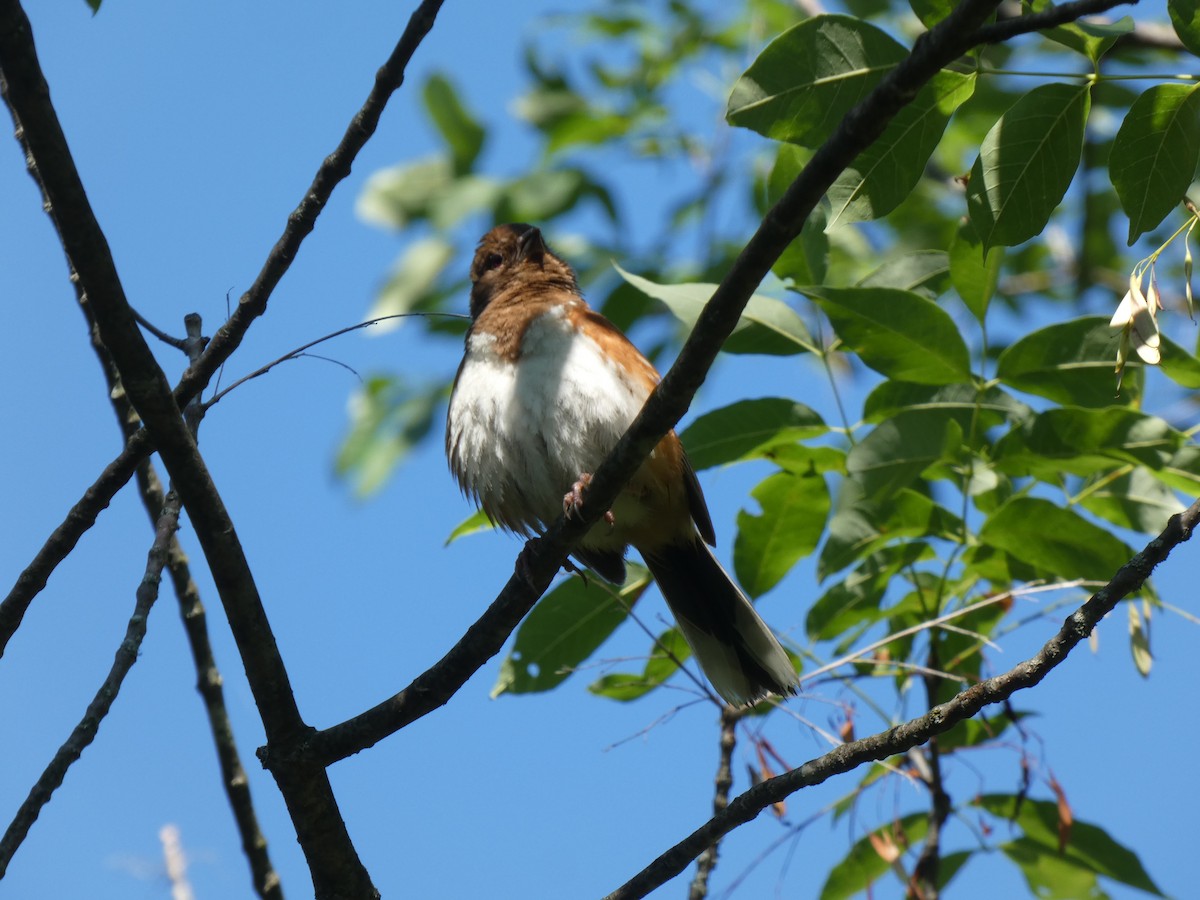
807, 79
855, 599
794, 509
1066, 545
925, 272
884, 174
1185, 17
973, 272
669, 651
564, 629
387, 419
900, 448
459, 129
898, 333
859, 527
472, 524
864, 864
1026, 164
1071, 363
767, 325
1092, 39
1138, 501
413, 277
748, 429
1090, 850
976, 409
1154, 154
1084, 441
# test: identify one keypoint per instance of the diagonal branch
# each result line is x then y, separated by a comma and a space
542, 557
333, 170
333, 861
85, 732
1009, 28
938, 720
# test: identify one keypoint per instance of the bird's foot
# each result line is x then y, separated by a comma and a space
573, 499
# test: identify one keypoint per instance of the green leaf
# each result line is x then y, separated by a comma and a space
472, 524
987, 407
1183, 471
806, 258
767, 326
884, 174
669, 651
548, 193
95, 5
974, 272
897, 333
923, 272
1071, 363
1092, 39
412, 281
395, 197
1185, 17
794, 509
387, 419
1154, 154
1026, 164
859, 527
855, 599
564, 629
859, 868
1049, 876
1181, 367
930, 12
1138, 501
461, 132
807, 79
1059, 542
748, 429
900, 448
1089, 849
1086, 441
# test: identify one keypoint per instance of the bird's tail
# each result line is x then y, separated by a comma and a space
735, 648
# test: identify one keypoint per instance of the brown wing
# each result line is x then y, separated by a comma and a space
669, 449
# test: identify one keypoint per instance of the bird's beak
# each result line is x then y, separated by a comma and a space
531, 246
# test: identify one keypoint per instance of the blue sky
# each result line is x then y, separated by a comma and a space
196, 129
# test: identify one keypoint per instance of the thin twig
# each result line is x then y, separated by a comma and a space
902, 738
85, 732
724, 781
177, 343
300, 351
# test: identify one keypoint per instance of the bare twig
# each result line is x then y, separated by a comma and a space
300, 351
177, 343
85, 732
333, 170
724, 781
938, 720
1058, 15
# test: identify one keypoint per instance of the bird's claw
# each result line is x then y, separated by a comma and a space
573, 499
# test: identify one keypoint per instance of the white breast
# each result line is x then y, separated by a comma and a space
524, 431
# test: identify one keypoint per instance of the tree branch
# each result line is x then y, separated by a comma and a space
698, 890
252, 304
938, 720
85, 732
333, 861
300, 223
1058, 15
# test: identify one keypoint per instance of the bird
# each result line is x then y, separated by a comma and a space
546, 388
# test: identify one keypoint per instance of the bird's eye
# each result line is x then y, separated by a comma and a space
492, 261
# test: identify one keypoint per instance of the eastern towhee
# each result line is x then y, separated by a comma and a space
546, 388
